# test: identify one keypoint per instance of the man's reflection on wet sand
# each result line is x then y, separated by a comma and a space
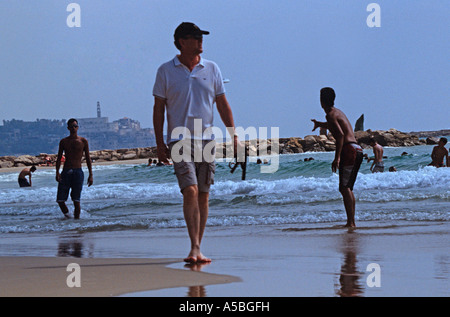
73, 246
199, 290
349, 278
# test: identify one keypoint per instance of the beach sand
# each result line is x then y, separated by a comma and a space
99, 277
301, 260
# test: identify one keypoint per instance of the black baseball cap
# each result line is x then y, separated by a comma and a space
188, 28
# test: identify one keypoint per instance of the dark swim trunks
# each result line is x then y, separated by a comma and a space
350, 162
70, 179
23, 182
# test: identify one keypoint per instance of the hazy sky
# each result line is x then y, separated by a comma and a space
277, 55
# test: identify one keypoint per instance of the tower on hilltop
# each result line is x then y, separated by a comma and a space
99, 112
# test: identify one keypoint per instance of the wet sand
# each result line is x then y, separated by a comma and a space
301, 260
97, 277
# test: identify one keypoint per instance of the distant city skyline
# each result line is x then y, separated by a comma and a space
277, 56
18, 137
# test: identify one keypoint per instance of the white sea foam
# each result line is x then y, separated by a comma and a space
404, 185
137, 197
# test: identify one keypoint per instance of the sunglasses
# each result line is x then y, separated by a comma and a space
196, 37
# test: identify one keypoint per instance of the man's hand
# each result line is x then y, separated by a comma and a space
163, 154
58, 177
316, 124
335, 165
90, 180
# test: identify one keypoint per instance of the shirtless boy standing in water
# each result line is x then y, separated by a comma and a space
348, 155
439, 153
377, 165
72, 175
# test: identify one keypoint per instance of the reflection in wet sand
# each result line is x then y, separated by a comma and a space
349, 279
198, 290
73, 245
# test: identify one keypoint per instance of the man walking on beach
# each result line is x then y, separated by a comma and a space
439, 153
377, 165
72, 176
22, 176
349, 154
187, 87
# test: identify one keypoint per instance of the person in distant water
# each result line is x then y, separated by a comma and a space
72, 176
377, 165
22, 176
349, 154
187, 87
439, 153
159, 163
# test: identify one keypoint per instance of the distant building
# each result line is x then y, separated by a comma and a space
18, 137
94, 125
122, 133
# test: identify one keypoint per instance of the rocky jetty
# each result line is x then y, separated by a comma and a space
310, 143
431, 134
326, 143
45, 159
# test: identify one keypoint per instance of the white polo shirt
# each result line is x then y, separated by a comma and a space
188, 95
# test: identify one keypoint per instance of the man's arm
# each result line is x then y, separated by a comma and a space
87, 155
374, 159
227, 117
58, 160
318, 124
225, 111
338, 134
159, 109
446, 158
433, 154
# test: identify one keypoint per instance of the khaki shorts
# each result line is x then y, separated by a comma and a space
194, 173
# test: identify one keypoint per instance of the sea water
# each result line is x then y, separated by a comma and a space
139, 197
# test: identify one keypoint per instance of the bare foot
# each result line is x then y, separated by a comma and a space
203, 259
190, 259
195, 256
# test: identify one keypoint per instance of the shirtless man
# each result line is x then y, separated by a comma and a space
22, 176
72, 175
439, 153
349, 154
377, 165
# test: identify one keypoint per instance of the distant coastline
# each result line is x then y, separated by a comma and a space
310, 143
430, 134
